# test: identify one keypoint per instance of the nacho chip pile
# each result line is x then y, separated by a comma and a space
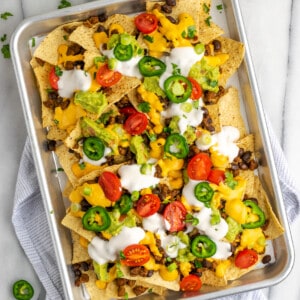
160, 165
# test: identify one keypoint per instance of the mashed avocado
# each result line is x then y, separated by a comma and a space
101, 271
93, 102
117, 225
234, 228
91, 128
138, 147
151, 84
206, 75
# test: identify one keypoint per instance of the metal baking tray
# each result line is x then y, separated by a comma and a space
50, 185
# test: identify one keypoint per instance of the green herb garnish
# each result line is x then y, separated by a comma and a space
5, 51
5, 15
64, 4
144, 107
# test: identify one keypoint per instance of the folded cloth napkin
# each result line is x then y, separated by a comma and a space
29, 220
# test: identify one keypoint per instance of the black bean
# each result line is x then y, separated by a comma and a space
266, 259
166, 8
171, 2
217, 45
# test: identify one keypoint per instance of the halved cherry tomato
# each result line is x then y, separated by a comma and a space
196, 89
175, 214
216, 176
53, 78
106, 77
148, 205
111, 185
199, 167
136, 123
135, 255
146, 22
246, 258
190, 283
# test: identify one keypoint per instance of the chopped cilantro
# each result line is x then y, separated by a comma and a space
207, 20
148, 38
64, 4
60, 170
176, 70
58, 71
190, 34
144, 107
5, 51
104, 118
65, 37
219, 7
5, 15
206, 8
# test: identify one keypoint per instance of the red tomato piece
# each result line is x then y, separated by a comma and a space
190, 283
146, 22
216, 176
175, 214
106, 77
136, 123
196, 89
148, 205
127, 111
246, 258
111, 185
135, 255
199, 167
53, 78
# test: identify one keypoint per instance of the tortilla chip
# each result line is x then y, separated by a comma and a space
75, 224
41, 73
125, 21
94, 292
79, 253
273, 229
71, 140
120, 89
83, 36
213, 111
208, 30
229, 111
236, 51
56, 134
247, 143
210, 278
112, 290
233, 272
47, 50
155, 279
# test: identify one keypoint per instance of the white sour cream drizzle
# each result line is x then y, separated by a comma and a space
105, 251
183, 58
133, 180
215, 232
73, 80
189, 194
191, 118
99, 162
223, 142
154, 223
129, 67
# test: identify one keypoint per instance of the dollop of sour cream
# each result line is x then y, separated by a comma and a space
105, 251
128, 67
189, 194
154, 223
133, 180
223, 142
73, 80
176, 59
191, 117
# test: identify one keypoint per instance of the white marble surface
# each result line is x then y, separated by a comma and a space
272, 27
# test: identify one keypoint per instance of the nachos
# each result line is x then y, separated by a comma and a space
161, 169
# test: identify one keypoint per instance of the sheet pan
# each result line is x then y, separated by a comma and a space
50, 184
